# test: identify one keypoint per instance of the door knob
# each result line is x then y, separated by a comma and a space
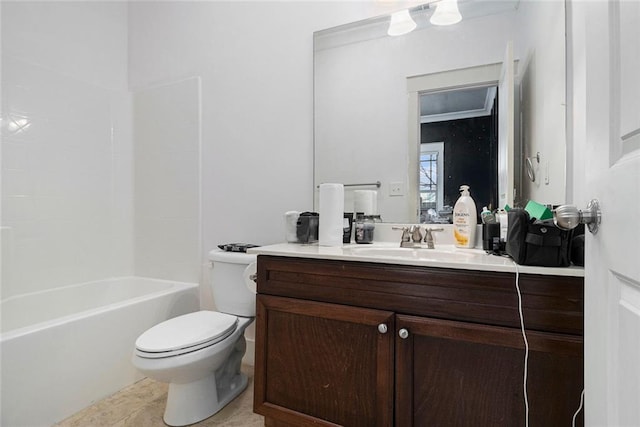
382, 328
403, 333
568, 217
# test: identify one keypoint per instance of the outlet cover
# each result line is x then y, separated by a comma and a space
396, 189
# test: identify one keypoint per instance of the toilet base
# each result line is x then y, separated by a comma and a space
198, 400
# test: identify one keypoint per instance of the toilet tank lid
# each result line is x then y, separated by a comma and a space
232, 257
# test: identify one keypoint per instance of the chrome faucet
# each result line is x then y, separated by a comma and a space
416, 235
428, 237
405, 240
412, 237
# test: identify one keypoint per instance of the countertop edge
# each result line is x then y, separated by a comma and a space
489, 262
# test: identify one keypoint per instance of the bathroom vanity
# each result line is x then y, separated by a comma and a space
350, 340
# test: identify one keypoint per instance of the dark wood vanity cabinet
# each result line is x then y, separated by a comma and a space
464, 374
343, 343
324, 362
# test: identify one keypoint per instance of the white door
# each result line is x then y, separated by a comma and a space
506, 133
607, 111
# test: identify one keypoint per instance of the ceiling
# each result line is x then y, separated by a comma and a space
456, 104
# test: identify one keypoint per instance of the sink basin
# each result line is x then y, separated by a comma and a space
413, 253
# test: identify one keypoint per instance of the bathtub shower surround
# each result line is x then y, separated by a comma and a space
76, 349
66, 145
167, 180
98, 180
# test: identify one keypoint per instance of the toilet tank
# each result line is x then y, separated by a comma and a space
230, 282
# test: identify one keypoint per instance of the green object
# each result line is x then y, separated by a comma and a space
538, 211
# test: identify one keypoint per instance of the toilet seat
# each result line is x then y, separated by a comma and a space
184, 334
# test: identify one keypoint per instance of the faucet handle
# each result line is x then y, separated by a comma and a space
405, 233
428, 237
433, 229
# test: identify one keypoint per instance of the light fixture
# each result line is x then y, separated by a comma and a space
446, 13
401, 23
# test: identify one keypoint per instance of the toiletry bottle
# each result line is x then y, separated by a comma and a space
465, 219
487, 216
503, 219
364, 229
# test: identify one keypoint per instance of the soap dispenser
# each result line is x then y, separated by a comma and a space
465, 219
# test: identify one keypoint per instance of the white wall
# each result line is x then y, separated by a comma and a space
577, 189
542, 70
255, 62
66, 177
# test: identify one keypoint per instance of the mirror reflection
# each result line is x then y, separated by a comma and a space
370, 124
458, 143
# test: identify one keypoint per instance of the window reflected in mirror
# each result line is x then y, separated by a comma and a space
431, 178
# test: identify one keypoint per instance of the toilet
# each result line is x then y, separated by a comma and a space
199, 354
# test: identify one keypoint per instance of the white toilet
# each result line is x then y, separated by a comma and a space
199, 354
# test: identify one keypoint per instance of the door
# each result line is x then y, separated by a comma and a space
506, 130
323, 364
452, 373
606, 81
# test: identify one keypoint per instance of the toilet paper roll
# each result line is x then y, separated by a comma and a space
365, 201
331, 212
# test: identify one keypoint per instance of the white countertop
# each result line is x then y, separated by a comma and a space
444, 256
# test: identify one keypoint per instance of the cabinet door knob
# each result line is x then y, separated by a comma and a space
403, 333
382, 328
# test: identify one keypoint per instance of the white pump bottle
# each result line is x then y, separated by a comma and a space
465, 219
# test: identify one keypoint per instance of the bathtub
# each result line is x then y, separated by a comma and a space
63, 349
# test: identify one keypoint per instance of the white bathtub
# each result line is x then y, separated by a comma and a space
63, 349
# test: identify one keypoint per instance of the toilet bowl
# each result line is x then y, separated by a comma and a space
199, 354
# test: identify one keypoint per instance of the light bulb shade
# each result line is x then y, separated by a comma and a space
446, 13
401, 23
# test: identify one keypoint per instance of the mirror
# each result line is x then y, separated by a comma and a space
367, 87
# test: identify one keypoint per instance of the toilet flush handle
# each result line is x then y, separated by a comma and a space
250, 277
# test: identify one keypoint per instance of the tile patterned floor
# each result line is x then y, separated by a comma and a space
142, 405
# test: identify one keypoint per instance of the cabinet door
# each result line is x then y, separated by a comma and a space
462, 374
323, 364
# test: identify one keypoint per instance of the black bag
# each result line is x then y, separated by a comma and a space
540, 243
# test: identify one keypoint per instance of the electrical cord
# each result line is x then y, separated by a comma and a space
573, 422
526, 347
